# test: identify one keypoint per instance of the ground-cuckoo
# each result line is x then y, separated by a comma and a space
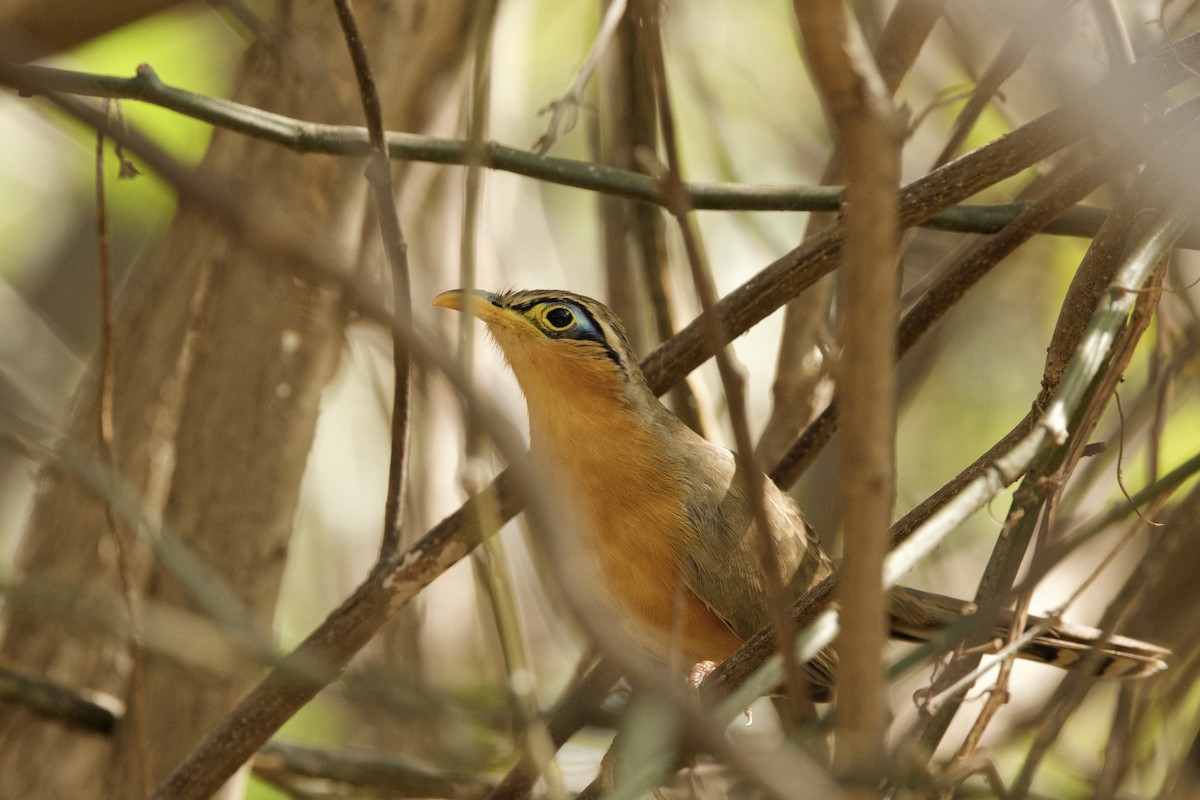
665, 512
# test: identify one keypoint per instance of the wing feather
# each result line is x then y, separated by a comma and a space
722, 565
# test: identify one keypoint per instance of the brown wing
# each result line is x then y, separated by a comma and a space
721, 566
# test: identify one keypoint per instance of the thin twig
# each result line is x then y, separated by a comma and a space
732, 379
637, 269
1071, 691
1027, 35
492, 562
379, 176
564, 110
568, 717
997, 693
77, 708
1149, 75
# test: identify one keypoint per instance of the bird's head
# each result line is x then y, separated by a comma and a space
568, 352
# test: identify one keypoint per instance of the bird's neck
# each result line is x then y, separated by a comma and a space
600, 433
593, 429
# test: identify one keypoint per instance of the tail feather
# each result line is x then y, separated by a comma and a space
917, 616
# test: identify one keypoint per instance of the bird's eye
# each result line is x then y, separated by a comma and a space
559, 318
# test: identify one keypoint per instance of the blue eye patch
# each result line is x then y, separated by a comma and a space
566, 319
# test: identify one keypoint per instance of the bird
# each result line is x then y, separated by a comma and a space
663, 513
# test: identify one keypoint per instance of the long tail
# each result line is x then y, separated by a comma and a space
917, 616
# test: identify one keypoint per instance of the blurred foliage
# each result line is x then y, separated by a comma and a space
191, 47
48, 264
748, 114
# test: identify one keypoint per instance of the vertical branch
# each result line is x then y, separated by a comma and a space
636, 266
477, 118
676, 201
107, 355
970, 268
867, 135
533, 741
903, 35
794, 393
379, 176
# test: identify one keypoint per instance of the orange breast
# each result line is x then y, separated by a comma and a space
640, 547
631, 515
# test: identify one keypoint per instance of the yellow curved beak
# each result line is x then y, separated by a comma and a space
477, 304
483, 306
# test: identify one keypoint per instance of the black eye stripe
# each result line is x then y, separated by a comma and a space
608, 349
579, 333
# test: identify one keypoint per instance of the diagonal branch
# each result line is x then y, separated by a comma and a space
1082, 370
390, 586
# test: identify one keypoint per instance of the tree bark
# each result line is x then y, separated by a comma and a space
36, 28
221, 356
